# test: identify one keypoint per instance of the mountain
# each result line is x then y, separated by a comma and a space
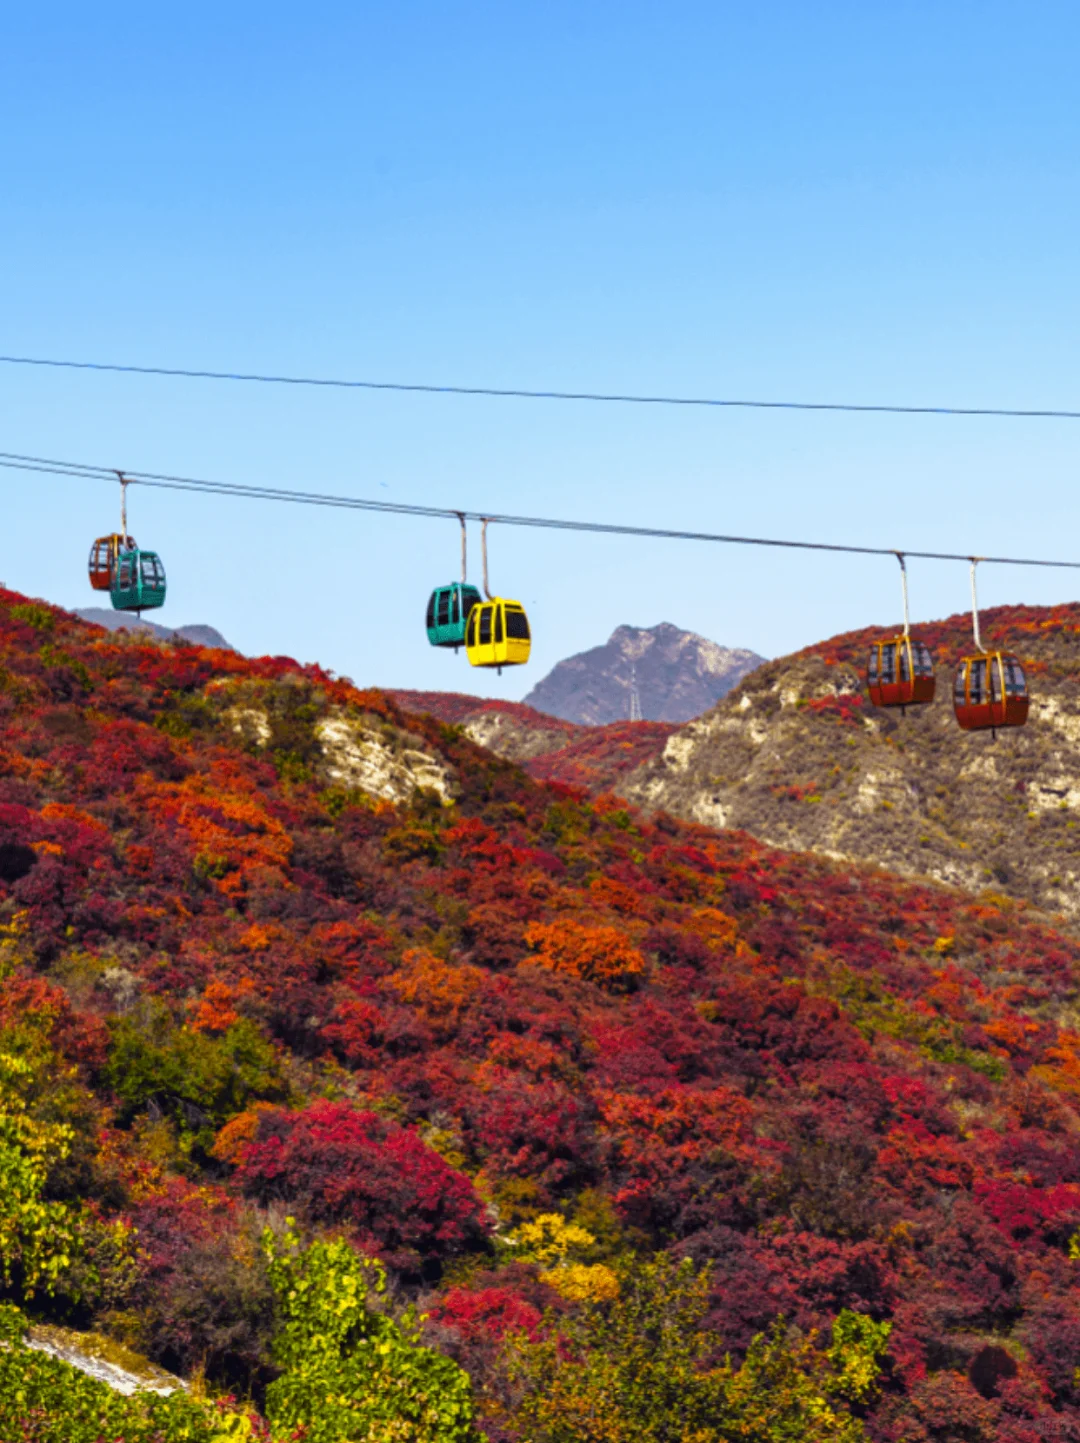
798, 757
272, 947
676, 674
199, 634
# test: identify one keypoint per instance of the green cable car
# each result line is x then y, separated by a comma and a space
138, 582
448, 612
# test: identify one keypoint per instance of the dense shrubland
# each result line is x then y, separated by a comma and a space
518, 1114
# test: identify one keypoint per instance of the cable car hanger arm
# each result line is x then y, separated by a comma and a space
159, 481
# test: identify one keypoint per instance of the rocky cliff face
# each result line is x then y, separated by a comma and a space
676, 675
798, 757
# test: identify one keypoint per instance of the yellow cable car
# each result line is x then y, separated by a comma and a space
498, 634
498, 630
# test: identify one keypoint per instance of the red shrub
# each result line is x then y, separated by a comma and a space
397, 1195
488, 1312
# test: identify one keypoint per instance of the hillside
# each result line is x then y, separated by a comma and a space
549, 749
674, 674
797, 756
270, 945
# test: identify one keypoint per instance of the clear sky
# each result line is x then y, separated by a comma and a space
821, 200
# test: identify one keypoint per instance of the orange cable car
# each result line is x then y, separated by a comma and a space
990, 688
104, 555
900, 671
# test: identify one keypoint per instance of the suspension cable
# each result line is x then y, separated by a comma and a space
523, 394
87, 472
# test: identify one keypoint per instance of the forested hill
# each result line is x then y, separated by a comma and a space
271, 947
797, 755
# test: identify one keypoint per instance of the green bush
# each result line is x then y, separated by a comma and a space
198, 1080
353, 1373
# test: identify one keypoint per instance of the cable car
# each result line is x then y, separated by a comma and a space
990, 691
448, 612
102, 563
139, 581
900, 671
498, 634
135, 579
990, 688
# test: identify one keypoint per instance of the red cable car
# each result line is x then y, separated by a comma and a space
900, 671
990, 689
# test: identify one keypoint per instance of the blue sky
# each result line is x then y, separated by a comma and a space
822, 201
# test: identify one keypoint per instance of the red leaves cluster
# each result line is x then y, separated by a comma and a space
396, 1195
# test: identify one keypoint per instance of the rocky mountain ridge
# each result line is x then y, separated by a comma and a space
658, 673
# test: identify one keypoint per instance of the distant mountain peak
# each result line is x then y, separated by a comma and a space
198, 633
674, 674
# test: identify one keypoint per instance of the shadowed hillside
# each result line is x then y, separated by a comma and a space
270, 945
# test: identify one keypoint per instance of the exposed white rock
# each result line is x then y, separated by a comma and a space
88, 1352
250, 722
374, 757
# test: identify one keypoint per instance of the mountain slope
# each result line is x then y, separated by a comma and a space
548, 749
676, 674
269, 945
797, 756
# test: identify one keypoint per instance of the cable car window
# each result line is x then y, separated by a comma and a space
429, 620
498, 624
958, 685
995, 679
455, 610
977, 686
905, 662
1015, 681
444, 608
517, 624
485, 625
469, 598
470, 639
872, 666
888, 665
920, 655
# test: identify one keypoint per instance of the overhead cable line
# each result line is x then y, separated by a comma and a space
523, 394
85, 471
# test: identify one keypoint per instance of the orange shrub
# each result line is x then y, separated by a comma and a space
440, 991
599, 954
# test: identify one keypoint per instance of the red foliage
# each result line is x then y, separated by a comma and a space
487, 1313
397, 1196
838, 1088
